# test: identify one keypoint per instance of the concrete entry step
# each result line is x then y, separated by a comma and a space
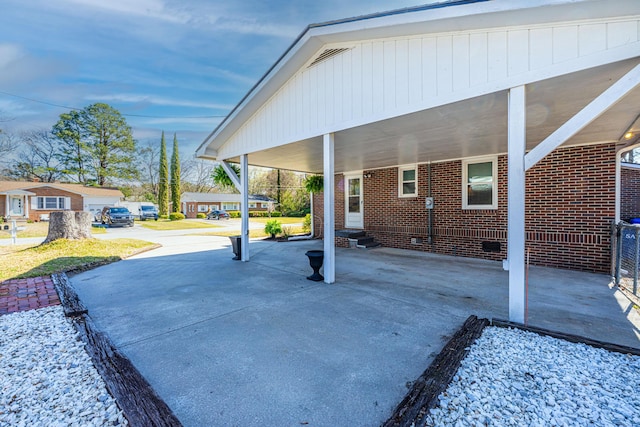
358, 238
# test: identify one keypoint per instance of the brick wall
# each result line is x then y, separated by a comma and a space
34, 214
570, 203
629, 193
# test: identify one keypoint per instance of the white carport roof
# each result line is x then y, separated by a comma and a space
572, 55
442, 82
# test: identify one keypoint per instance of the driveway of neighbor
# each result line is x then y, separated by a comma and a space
256, 344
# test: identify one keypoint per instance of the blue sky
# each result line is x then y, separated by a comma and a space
181, 62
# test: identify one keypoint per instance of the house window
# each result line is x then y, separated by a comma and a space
203, 208
253, 205
230, 207
407, 181
51, 203
480, 183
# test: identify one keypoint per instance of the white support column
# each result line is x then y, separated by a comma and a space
329, 210
516, 203
244, 208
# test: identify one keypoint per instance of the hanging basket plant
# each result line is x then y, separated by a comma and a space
314, 183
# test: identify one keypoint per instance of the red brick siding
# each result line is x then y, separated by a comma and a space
570, 204
629, 193
34, 214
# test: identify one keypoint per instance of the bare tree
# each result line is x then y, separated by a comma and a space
37, 158
148, 159
196, 175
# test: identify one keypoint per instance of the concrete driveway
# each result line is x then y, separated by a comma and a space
256, 344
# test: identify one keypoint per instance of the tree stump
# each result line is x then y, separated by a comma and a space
69, 225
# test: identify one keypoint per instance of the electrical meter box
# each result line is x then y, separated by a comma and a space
428, 202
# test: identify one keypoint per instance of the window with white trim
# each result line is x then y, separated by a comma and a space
52, 203
408, 181
253, 205
230, 207
203, 208
480, 183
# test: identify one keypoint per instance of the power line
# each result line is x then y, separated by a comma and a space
123, 114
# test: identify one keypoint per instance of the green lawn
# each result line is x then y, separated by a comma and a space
64, 255
284, 220
38, 229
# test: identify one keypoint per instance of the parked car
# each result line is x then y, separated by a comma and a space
148, 212
115, 215
218, 214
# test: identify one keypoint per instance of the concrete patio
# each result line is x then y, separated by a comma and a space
231, 343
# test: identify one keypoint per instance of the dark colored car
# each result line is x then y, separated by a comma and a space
148, 212
217, 214
113, 215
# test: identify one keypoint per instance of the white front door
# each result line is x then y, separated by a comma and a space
16, 206
353, 203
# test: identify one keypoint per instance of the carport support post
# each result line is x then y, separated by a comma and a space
329, 210
516, 203
244, 207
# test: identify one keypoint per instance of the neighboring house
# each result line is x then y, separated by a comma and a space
193, 203
36, 200
511, 115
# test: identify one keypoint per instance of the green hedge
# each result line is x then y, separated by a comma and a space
201, 215
176, 216
255, 214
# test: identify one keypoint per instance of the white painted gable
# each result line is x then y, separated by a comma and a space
366, 82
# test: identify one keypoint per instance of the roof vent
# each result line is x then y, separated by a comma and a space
328, 53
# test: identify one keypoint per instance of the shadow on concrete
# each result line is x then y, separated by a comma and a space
231, 343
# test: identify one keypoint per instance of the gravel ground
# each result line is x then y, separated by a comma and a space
46, 376
516, 378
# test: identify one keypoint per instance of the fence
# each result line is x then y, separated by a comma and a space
625, 260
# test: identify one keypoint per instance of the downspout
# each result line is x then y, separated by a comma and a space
430, 219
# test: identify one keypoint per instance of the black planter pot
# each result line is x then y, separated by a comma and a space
236, 243
315, 261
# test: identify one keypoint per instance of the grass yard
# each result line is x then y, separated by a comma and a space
63, 255
38, 229
165, 224
284, 220
292, 230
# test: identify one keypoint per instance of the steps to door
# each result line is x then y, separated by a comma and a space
358, 239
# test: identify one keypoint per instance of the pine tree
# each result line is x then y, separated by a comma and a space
175, 176
163, 180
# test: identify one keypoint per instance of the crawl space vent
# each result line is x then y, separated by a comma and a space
328, 53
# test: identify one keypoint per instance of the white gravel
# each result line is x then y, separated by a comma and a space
46, 376
516, 378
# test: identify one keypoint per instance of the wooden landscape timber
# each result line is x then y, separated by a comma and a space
136, 398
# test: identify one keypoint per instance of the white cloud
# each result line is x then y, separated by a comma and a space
148, 8
157, 100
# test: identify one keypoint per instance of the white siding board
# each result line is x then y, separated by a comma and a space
518, 52
621, 33
592, 38
389, 75
329, 92
367, 79
377, 71
540, 48
347, 89
497, 55
565, 43
306, 101
414, 71
460, 62
478, 50
402, 73
444, 60
429, 69
356, 83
